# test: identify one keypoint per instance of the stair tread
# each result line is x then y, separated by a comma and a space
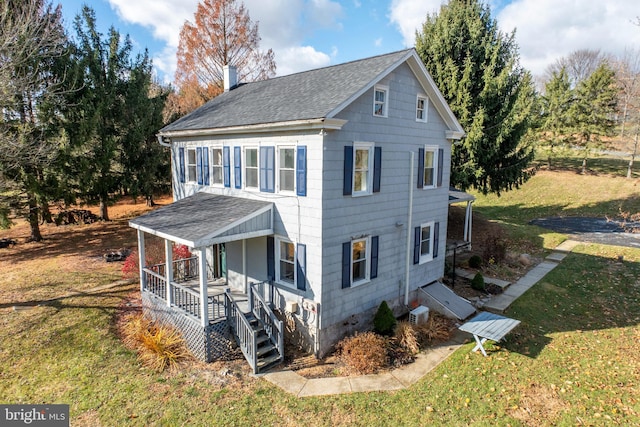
267, 360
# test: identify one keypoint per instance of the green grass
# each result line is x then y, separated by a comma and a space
573, 361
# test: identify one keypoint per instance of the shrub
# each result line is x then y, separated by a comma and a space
154, 254
477, 282
406, 337
475, 261
158, 346
384, 321
495, 248
363, 353
437, 328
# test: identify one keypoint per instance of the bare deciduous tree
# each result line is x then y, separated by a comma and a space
579, 65
627, 68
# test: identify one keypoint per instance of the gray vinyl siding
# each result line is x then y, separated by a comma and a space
297, 218
377, 214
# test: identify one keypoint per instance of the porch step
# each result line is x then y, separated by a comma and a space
265, 349
267, 362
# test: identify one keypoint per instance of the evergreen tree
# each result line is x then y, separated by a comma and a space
32, 59
593, 110
477, 69
555, 123
100, 119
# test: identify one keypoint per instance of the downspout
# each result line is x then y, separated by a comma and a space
409, 222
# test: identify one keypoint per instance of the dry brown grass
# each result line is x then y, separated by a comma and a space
159, 347
406, 337
437, 328
363, 353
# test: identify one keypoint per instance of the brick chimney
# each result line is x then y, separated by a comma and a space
230, 77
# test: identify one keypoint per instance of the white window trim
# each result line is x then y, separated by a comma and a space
293, 285
426, 108
385, 106
434, 150
211, 164
367, 267
428, 257
295, 159
187, 165
360, 146
245, 165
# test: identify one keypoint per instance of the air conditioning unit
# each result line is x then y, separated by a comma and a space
419, 315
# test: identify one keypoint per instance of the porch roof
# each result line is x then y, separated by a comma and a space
205, 219
456, 196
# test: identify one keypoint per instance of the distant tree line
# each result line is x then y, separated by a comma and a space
79, 115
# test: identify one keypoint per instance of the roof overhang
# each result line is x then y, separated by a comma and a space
206, 219
294, 125
458, 196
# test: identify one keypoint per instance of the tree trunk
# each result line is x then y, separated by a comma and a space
150, 202
104, 213
45, 213
584, 166
633, 155
36, 236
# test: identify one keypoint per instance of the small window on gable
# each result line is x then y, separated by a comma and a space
251, 168
286, 169
362, 168
421, 108
380, 101
217, 166
192, 168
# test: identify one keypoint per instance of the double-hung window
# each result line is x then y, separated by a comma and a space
362, 168
286, 169
428, 168
380, 100
217, 166
359, 261
192, 168
251, 168
286, 262
421, 108
426, 242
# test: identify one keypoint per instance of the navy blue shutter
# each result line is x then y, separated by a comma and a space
267, 169
271, 258
205, 164
181, 163
416, 245
440, 166
348, 171
301, 255
199, 165
301, 171
436, 233
421, 168
377, 168
226, 165
374, 257
346, 265
237, 167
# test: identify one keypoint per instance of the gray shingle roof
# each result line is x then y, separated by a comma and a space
200, 217
302, 96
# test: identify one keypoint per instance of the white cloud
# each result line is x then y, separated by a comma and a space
409, 15
283, 25
548, 29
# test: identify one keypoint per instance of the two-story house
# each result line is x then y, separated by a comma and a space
317, 195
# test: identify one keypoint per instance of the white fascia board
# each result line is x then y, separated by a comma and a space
455, 129
295, 125
162, 235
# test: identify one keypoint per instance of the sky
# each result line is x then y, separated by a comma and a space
307, 34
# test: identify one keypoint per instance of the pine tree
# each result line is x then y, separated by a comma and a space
476, 67
555, 123
593, 110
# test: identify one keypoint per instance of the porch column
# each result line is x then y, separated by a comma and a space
244, 266
168, 256
141, 260
204, 292
468, 220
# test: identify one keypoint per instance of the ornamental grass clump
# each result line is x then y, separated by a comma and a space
437, 328
158, 346
406, 337
363, 353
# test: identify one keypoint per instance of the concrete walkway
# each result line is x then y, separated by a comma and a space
504, 300
407, 375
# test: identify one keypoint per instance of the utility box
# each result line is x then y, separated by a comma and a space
291, 307
419, 315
